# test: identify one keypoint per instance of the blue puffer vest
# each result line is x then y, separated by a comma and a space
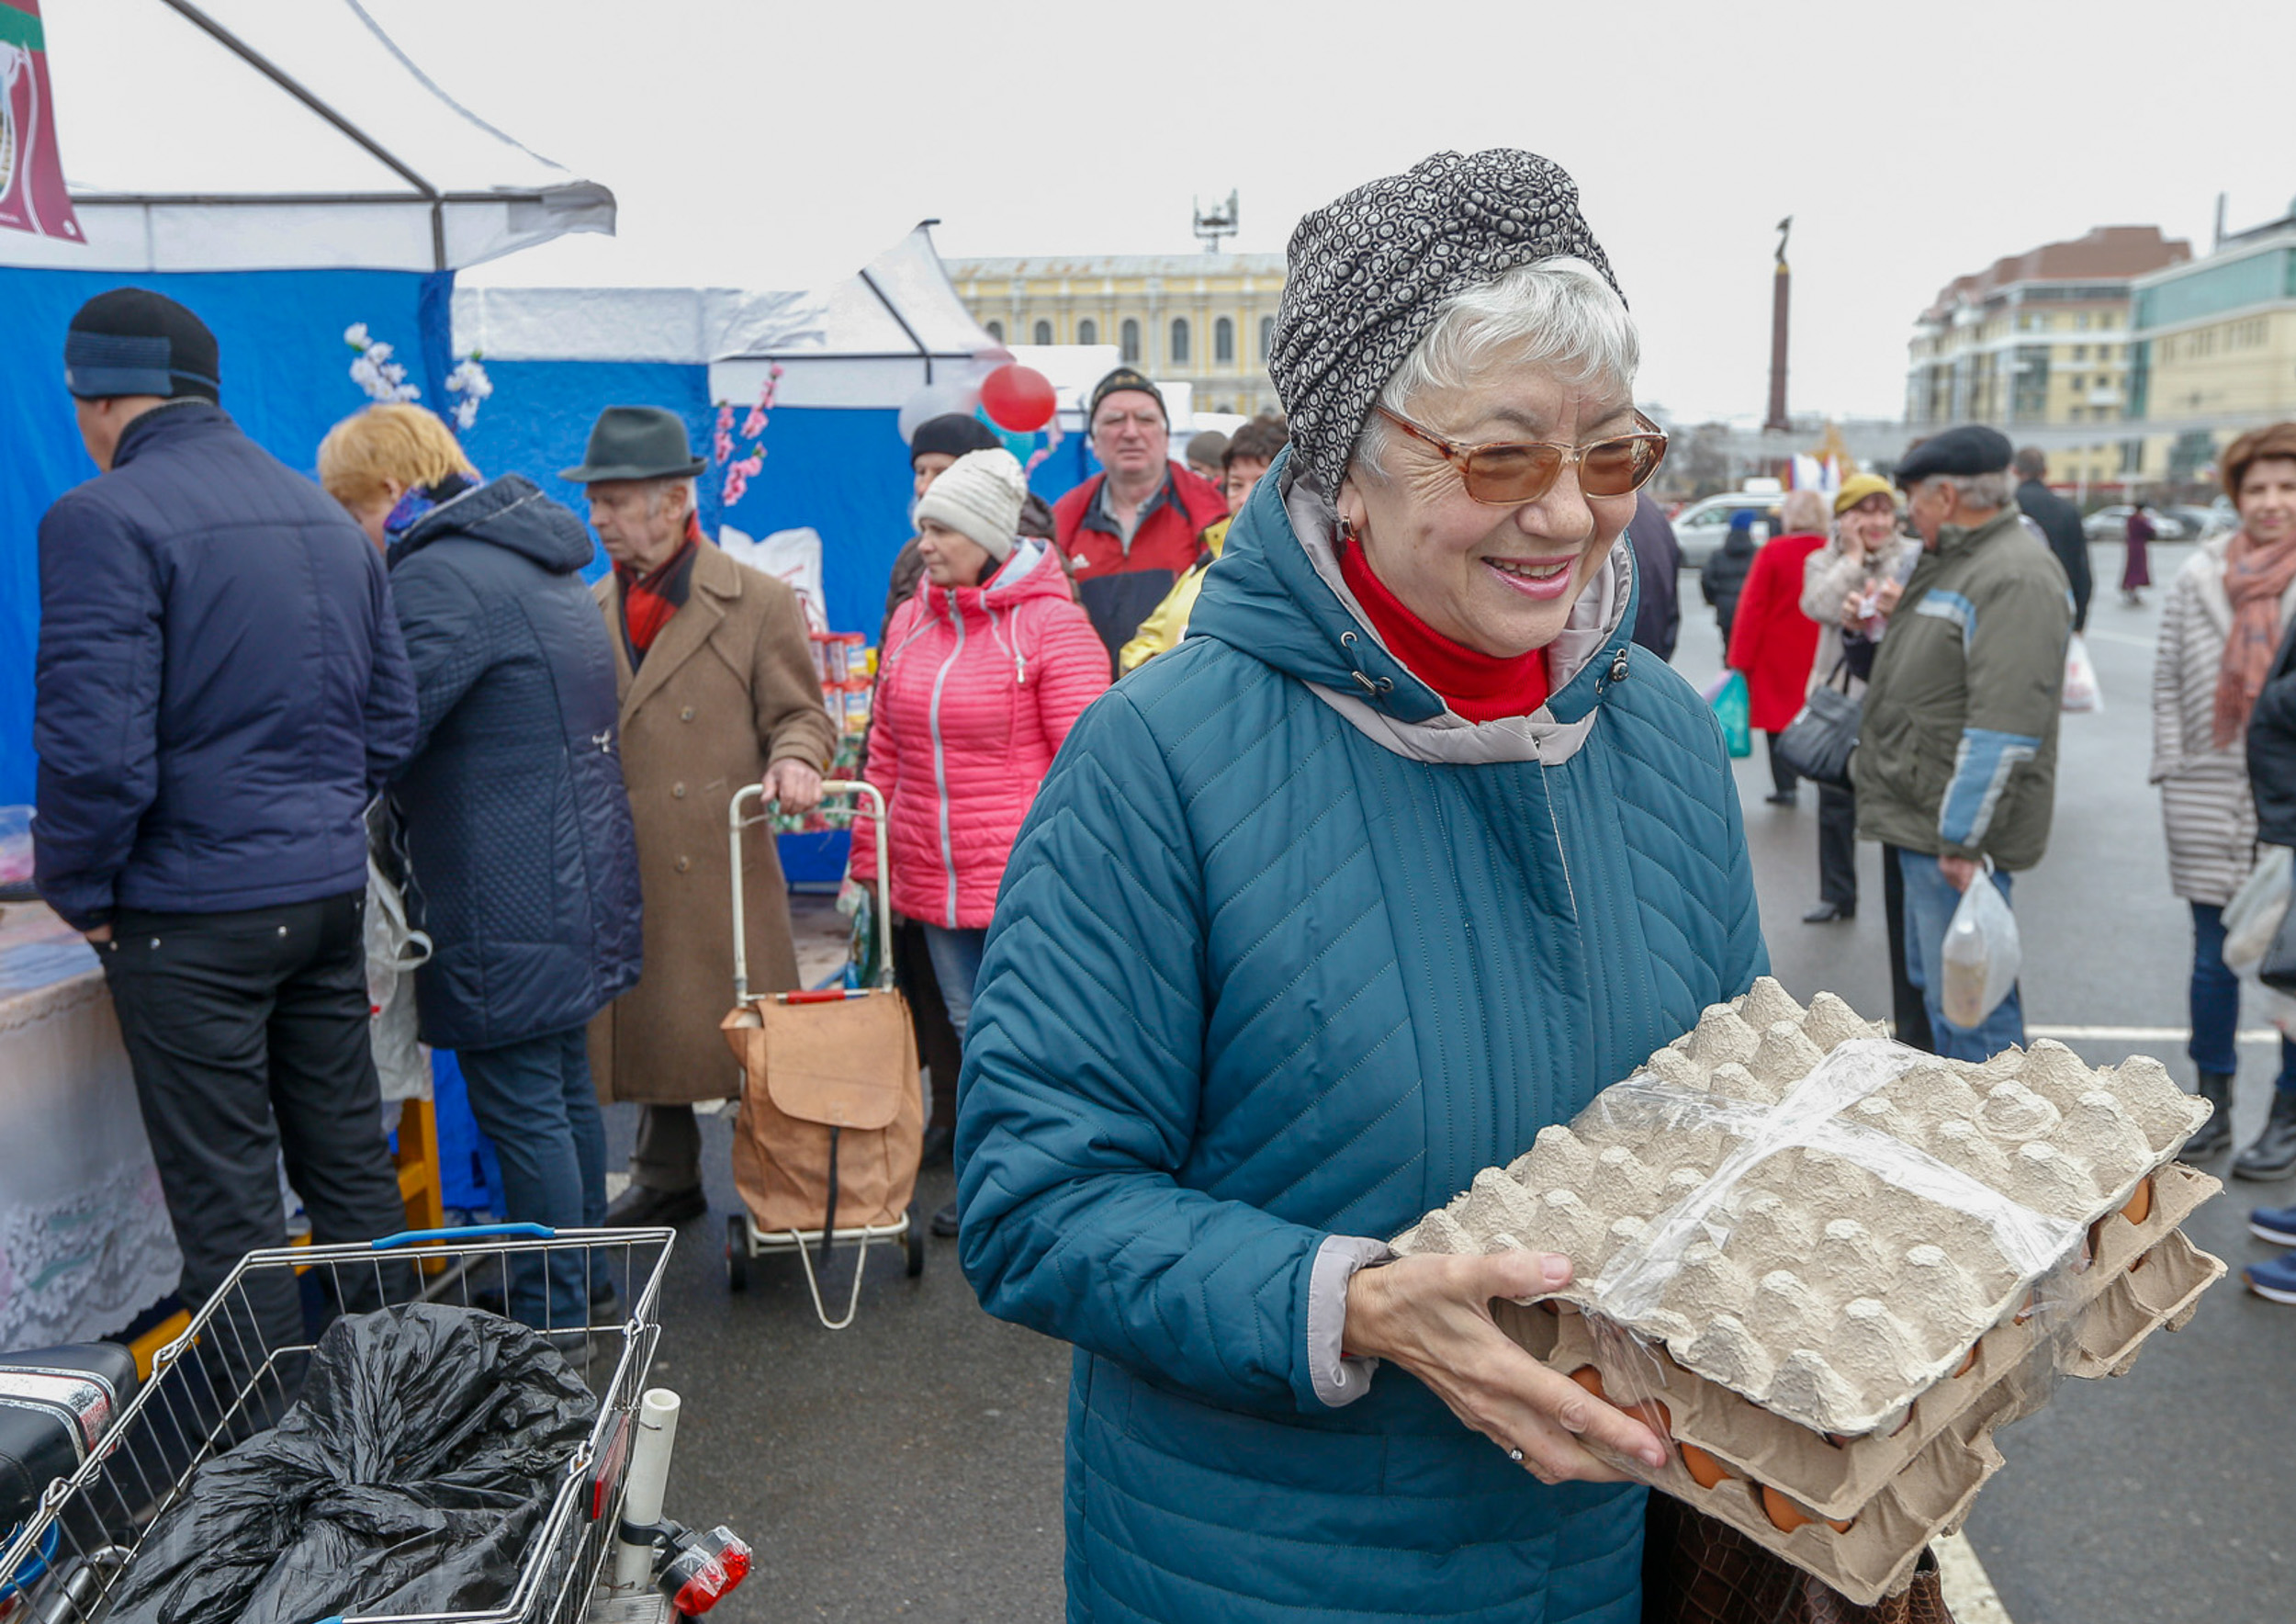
1285, 952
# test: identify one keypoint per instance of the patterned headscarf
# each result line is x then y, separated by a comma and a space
1367, 272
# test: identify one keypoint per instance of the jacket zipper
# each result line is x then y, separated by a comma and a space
941, 761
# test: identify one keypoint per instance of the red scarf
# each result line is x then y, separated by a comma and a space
648, 601
1479, 687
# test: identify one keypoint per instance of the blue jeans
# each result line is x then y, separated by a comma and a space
534, 1101
1929, 903
2216, 1001
956, 956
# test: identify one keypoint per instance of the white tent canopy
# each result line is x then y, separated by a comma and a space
691, 326
251, 134
882, 334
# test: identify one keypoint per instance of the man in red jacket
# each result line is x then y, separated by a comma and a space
1129, 533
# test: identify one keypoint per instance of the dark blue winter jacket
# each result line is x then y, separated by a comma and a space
222, 687
1286, 955
523, 863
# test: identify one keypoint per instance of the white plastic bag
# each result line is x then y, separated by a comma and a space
2081, 692
2253, 917
1981, 953
394, 952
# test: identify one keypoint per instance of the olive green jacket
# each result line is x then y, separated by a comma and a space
1957, 754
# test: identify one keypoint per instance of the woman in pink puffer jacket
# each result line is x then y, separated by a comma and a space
982, 675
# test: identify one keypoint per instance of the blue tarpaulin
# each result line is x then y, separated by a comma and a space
286, 381
538, 419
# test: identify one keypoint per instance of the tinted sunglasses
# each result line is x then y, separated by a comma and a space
1506, 473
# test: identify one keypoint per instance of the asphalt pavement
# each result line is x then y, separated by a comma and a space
910, 1466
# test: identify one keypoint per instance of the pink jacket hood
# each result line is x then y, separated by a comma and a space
977, 688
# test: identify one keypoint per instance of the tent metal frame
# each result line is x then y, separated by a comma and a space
424, 194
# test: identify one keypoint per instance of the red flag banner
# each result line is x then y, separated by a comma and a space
32, 197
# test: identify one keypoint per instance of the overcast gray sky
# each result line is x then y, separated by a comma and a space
1911, 141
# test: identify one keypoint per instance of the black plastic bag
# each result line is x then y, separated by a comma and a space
409, 1478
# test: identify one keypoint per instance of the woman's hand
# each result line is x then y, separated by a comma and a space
1432, 1315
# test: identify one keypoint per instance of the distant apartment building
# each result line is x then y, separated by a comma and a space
1206, 320
2040, 339
2215, 340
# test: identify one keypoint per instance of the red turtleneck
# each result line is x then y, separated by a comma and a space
1479, 687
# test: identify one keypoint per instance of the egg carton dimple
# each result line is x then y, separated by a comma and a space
1822, 1286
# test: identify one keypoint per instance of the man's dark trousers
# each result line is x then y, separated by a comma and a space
248, 1035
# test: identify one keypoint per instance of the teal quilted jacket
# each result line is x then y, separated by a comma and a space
1287, 952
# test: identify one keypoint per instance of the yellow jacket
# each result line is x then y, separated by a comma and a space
1167, 623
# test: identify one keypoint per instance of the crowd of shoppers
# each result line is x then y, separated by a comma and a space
1176, 1128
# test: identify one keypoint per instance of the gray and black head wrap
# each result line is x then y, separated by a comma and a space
1368, 273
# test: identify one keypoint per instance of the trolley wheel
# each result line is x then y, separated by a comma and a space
917, 1239
737, 1253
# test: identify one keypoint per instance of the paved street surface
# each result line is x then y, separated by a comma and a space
910, 1466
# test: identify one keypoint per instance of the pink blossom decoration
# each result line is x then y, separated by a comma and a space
739, 474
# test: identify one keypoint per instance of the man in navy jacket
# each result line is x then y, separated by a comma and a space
221, 690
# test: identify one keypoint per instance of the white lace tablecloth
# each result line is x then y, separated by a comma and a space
85, 1241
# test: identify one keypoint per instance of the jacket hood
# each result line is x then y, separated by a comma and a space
511, 513
1277, 594
1031, 572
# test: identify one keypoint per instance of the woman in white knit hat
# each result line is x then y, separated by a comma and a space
984, 670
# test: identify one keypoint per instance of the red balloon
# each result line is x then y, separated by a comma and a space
1017, 397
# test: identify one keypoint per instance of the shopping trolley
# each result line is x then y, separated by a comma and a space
832, 1121
219, 1383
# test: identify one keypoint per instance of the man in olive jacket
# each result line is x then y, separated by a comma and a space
1956, 758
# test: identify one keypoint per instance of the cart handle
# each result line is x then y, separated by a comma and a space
734, 821
415, 1237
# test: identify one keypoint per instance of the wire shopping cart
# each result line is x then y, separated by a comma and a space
219, 1383
832, 1121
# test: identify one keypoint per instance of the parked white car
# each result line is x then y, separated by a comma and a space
1700, 527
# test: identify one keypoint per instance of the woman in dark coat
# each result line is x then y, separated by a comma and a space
2136, 573
522, 864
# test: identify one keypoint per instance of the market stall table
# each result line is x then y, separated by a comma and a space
84, 1240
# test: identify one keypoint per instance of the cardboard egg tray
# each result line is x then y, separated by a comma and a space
1864, 1507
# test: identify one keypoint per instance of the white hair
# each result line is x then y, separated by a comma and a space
1980, 490
1804, 512
1555, 315
659, 487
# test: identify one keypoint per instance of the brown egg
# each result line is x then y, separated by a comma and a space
1787, 1516
1703, 1469
1652, 1412
2140, 1205
1970, 1363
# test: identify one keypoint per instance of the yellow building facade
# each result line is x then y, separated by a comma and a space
2215, 349
1205, 320
2040, 340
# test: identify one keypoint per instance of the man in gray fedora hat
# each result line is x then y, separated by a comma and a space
717, 688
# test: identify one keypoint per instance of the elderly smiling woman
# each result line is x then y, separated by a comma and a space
1403, 855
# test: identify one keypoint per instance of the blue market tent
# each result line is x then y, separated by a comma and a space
346, 189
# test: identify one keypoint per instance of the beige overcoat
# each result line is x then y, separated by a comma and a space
728, 689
